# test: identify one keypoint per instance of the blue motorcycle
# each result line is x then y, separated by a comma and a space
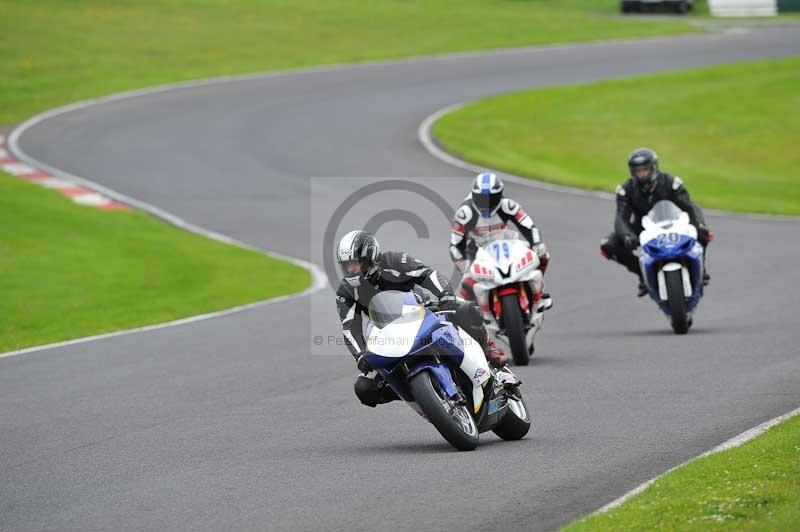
442, 372
672, 263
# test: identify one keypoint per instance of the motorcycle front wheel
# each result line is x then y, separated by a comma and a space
515, 329
677, 302
453, 421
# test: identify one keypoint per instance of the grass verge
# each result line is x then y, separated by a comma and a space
68, 271
731, 132
752, 487
55, 52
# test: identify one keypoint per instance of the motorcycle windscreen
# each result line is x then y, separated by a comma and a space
664, 211
388, 306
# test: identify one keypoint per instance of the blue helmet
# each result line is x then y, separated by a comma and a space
487, 193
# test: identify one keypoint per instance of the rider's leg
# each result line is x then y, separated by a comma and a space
612, 248
546, 299
465, 289
372, 391
706, 275
469, 317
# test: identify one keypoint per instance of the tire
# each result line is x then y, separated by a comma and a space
677, 301
451, 427
512, 426
515, 329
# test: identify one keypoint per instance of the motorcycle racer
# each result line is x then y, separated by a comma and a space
635, 197
367, 271
485, 211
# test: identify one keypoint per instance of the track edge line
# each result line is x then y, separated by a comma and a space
732, 443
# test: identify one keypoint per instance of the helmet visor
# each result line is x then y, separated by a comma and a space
352, 267
642, 173
487, 202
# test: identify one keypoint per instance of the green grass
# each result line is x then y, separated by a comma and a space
731, 132
55, 51
752, 487
68, 271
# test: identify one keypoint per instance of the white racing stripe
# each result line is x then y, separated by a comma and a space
18, 169
92, 199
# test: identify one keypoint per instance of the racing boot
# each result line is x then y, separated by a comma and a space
642, 290
546, 303
373, 391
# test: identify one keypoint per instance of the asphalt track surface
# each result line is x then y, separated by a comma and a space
238, 423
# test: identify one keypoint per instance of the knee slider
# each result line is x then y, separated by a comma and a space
366, 390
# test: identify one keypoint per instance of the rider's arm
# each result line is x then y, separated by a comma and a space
624, 212
510, 210
680, 197
351, 321
463, 222
401, 267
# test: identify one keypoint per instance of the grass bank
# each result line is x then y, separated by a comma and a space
55, 52
752, 487
731, 132
68, 271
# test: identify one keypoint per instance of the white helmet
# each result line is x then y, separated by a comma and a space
357, 255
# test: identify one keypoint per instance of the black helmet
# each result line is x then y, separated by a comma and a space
357, 255
642, 159
487, 193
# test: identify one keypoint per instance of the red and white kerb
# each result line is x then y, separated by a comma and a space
75, 192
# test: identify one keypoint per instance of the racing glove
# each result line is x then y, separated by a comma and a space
448, 301
630, 242
540, 250
363, 364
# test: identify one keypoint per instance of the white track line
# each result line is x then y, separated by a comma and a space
155, 327
425, 136
736, 441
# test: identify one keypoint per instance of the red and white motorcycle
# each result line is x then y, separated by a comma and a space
508, 288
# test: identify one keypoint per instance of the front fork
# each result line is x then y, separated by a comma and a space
527, 299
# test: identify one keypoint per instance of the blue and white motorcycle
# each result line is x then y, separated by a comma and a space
672, 263
441, 371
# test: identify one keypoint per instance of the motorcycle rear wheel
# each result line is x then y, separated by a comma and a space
517, 421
